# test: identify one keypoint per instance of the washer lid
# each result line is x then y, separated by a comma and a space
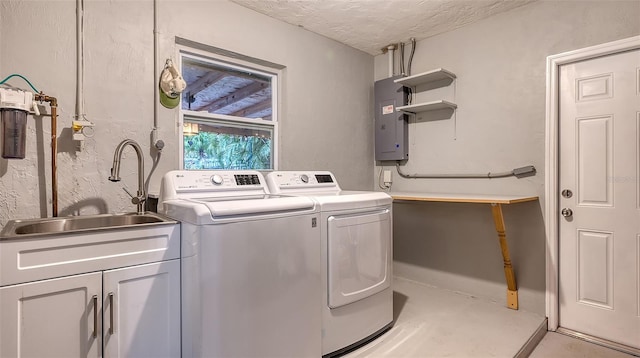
348, 200
206, 211
254, 205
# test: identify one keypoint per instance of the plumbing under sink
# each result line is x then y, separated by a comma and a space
17, 228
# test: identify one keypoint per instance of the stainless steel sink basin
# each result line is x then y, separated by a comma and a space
18, 228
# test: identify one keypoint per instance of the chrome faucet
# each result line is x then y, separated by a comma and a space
115, 172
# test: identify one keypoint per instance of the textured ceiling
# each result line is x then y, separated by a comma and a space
370, 25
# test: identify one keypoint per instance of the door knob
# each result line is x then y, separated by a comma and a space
566, 212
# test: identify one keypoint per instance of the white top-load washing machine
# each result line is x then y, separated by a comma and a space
250, 266
356, 239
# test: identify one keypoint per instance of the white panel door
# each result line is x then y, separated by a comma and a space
599, 261
52, 318
142, 311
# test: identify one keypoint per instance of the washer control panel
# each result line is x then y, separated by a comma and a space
247, 179
286, 181
207, 180
324, 178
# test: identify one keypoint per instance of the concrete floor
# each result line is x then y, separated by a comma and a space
431, 322
558, 345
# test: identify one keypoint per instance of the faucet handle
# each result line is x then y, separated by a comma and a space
128, 192
135, 200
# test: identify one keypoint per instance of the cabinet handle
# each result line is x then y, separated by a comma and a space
95, 316
111, 329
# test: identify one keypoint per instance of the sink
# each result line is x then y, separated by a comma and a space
18, 228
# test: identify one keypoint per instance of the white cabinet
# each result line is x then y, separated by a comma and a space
127, 312
141, 307
99, 294
52, 318
436, 78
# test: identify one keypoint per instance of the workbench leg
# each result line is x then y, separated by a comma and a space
512, 288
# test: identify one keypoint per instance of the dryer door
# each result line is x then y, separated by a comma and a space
359, 256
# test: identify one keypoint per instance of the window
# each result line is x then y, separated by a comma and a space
229, 114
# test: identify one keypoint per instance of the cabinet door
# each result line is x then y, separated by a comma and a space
142, 311
52, 318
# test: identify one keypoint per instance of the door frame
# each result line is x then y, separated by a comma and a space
552, 160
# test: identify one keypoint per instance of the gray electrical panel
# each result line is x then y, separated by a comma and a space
392, 130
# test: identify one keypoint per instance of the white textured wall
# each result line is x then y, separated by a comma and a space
324, 124
500, 125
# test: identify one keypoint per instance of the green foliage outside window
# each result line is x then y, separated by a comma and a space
210, 150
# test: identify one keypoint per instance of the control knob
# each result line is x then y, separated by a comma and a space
304, 178
216, 179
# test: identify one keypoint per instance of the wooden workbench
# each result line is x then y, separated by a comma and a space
496, 202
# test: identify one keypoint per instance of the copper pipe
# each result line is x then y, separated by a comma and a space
53, 102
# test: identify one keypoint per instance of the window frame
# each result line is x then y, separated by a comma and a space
243, 63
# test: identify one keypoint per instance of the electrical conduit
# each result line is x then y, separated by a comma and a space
518, 172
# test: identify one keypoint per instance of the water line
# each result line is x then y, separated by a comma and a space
53, 102
21, 76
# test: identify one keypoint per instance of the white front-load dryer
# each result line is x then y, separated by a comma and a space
356, 257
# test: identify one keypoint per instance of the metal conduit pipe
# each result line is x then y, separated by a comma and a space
80, 115
53, 103
156, 75
391, 51
518, 173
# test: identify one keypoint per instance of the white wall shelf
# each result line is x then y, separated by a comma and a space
427, 106
432, 76
426, 77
